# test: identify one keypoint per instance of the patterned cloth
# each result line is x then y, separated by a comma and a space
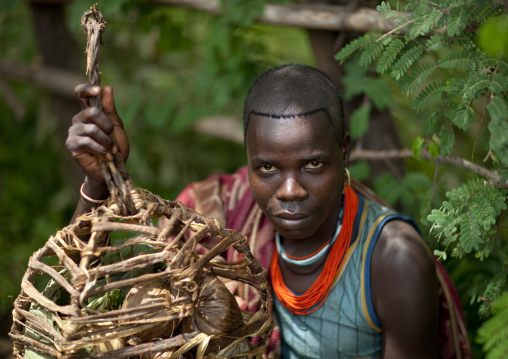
229, 199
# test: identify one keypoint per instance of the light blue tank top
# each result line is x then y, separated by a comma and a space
346, 325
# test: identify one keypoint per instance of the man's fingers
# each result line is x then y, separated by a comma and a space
94, 116
108, 106
89, 138
84, 92
81, 146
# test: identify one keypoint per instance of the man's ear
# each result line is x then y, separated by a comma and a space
345, 149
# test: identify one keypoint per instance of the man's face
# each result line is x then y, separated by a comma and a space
296, 172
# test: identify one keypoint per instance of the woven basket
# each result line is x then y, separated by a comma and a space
75, 314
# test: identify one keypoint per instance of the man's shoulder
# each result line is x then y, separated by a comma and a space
405, 290
400, 246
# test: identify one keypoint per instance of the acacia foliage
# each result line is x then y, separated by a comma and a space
457, 81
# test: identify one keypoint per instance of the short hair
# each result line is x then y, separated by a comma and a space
294, 90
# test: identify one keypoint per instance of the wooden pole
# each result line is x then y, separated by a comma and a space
308, 16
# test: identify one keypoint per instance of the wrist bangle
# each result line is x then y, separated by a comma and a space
97, 201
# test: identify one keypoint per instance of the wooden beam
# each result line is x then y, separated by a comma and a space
315, 16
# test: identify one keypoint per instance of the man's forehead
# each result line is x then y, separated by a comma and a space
268, 129
314, 116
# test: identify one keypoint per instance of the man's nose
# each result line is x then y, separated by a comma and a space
291, 190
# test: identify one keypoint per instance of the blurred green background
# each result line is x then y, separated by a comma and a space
173, 70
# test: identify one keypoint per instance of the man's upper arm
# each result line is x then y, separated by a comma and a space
405, 293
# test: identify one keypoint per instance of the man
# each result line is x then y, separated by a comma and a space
351, 278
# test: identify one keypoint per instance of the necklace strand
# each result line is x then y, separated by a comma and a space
313, 257
315, 296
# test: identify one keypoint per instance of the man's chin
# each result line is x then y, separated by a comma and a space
292, 228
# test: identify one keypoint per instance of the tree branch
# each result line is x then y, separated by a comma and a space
58, 82
309, 16
357, 155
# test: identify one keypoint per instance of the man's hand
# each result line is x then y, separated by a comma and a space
91, 136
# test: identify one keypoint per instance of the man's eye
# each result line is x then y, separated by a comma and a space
267, 168
314, 164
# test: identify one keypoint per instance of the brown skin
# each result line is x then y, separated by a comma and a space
91, 138
296, 170
296, 166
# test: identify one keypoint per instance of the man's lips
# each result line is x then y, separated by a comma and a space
290, 221
292, 216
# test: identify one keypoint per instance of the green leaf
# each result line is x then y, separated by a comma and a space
424, 24
447, 143
416, 147
464, 116
128, 251
503, 174
433, 149
490, 11
499, 140
430, 121
457, 21
353, 46
359, 170
470, 235
405, 61
389, 55
33, 354
379, 93
440, 254
389, 188
387, 13
359, 122
356, 79
437, 41
499, 84
497, 109
413, 81
493, 332
457, 59
475, 83
428, 96
420, 7
46, 317
371, 52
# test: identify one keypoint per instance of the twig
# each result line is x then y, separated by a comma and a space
93, 24
397, 28
357, 155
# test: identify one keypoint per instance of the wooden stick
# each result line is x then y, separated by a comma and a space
308, 16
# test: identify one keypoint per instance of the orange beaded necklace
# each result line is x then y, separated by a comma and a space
318, 292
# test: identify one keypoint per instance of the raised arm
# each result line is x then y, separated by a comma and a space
90, 139
405, 293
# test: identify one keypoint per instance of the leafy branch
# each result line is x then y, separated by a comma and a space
360, 154
452, 63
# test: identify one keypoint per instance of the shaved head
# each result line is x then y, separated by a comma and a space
295, 90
